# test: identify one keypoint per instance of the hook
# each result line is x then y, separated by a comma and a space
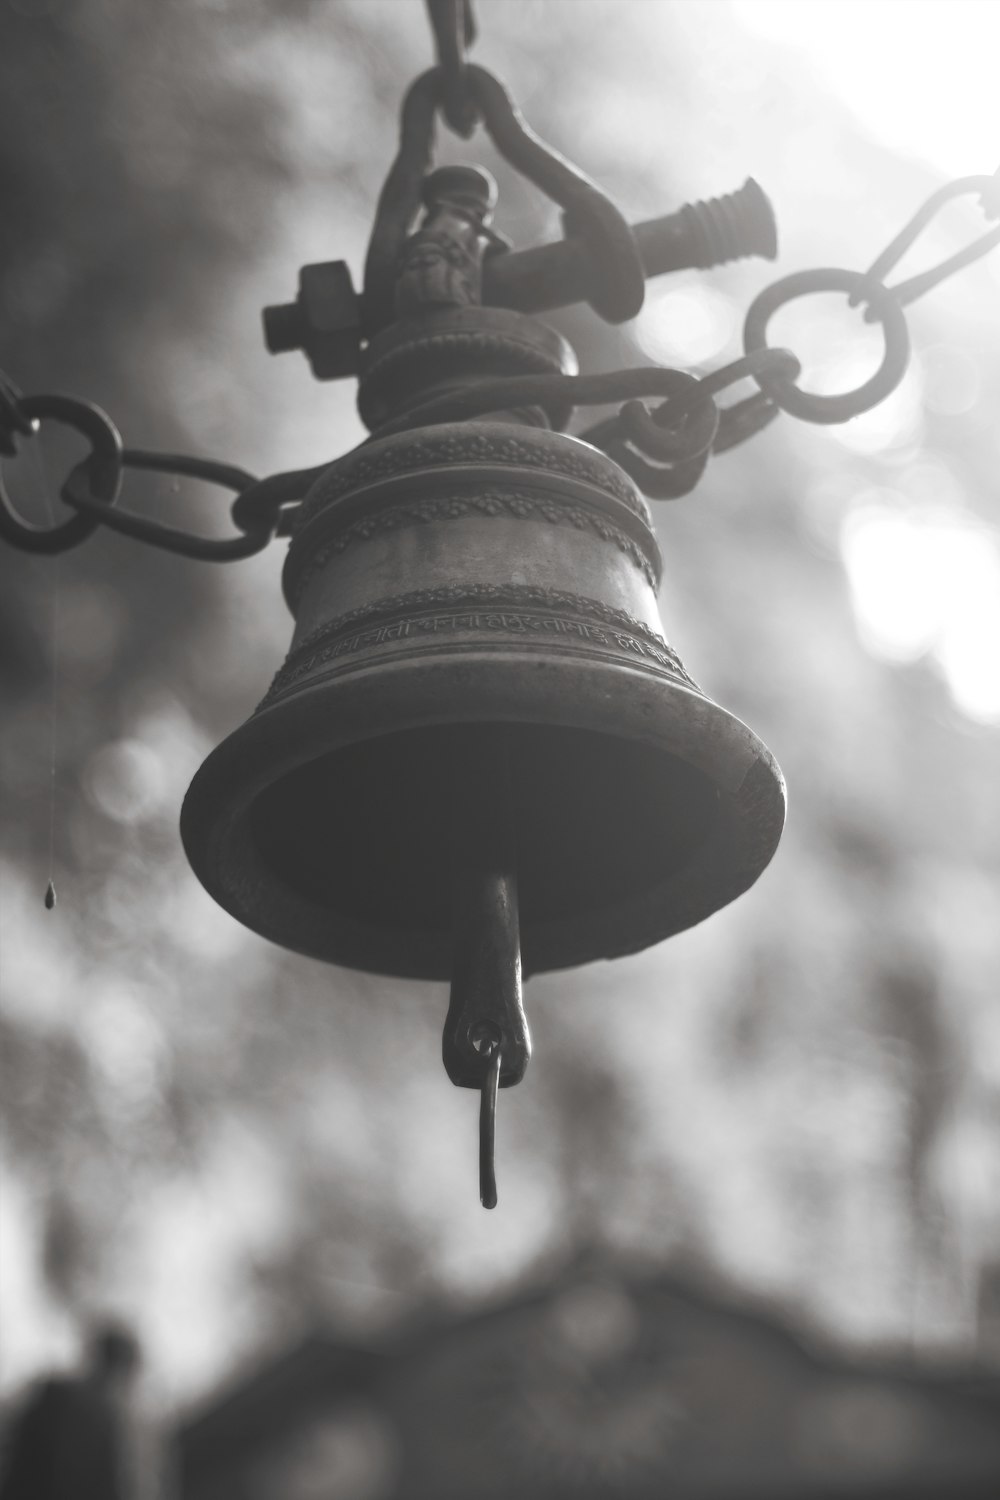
488, 1131
486, 1043
915, 286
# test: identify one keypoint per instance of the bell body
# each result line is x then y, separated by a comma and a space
454, 582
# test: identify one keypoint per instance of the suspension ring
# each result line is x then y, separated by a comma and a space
808, 405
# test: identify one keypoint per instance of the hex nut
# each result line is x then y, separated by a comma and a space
324, 321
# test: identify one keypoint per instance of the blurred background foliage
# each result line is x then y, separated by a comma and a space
224, 1142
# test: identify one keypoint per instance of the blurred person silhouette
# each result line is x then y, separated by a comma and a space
72, 1439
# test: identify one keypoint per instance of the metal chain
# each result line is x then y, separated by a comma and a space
678, 437
79, 493
665, 450
93, 486
840, 408
882, 304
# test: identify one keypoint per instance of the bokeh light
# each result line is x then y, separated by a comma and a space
923, 583
888, 66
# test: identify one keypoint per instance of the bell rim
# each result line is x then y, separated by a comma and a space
296, 729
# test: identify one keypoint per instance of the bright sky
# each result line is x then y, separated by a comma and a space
921, 75
922, 78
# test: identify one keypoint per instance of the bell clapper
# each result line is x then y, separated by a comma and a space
486, 1043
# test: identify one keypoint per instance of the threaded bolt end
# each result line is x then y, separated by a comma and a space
731, 227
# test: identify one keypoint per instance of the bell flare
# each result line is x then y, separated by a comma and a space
325, 823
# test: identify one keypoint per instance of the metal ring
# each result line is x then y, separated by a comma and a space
104, 466
807, 405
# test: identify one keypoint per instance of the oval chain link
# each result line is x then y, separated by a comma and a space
988, 191
807, 405
454, 30
104, 464
78, 491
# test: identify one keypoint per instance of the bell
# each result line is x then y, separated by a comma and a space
467, 595
480, 752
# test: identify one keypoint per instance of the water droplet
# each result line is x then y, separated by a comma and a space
50, 896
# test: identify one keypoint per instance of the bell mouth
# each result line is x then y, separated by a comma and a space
326, 822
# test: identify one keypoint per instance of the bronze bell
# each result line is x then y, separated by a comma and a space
453, 587
480, 744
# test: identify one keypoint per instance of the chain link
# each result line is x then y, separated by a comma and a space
840, 408
78, 491
689, 426
104, 462
454, 28
882, 304
261, 511
988, 190
588, 212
